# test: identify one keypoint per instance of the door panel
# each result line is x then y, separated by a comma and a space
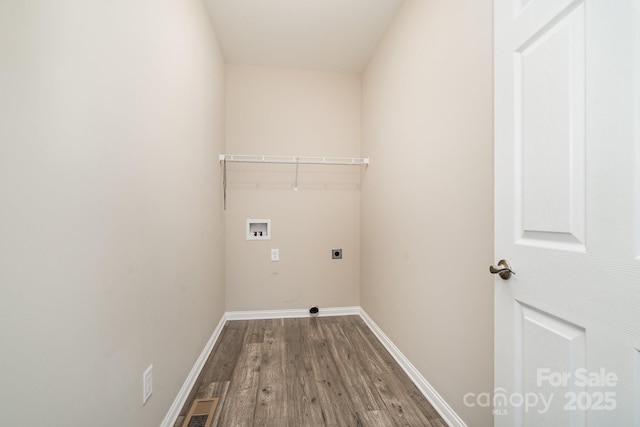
549, 133
567, 160
537, 14
565, 351
637, 389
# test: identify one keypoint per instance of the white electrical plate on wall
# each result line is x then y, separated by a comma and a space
147, 384
258, 229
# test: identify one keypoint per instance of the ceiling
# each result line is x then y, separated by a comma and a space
337, 35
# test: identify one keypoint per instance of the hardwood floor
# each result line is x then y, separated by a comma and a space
325, 371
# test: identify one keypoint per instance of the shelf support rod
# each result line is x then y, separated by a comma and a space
224, 183
295, 186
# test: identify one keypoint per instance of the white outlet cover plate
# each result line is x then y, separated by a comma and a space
275, 255
147, 384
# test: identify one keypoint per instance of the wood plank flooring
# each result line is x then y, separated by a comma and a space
324, 371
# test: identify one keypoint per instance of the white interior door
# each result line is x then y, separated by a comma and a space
567, 129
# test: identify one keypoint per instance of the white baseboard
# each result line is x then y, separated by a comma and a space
183, 394
290, 313
439, 404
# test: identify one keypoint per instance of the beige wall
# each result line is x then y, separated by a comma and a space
427, 219
112, 248
111, 228
293, 112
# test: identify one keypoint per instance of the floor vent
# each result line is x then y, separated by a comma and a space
201, 413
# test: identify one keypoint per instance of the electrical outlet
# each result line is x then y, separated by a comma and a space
275, 255
147, 384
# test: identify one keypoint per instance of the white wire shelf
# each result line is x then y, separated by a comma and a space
286, 160
293, 160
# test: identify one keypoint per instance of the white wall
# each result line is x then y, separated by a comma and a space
293, 112
111, 228
427, 199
